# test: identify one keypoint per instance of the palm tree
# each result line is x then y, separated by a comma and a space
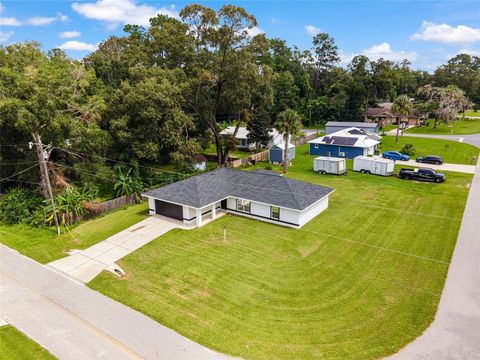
403, 106
288, 122
127, 185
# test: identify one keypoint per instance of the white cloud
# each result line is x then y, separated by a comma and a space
472, 52
46, 20
5, 35
78, 46
254, 31
9, 21
375, 52
447, 34
312, 30
115, 12
384, 50
69, 34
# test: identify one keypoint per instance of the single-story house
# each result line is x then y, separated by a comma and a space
347, 143
262, 195
242, 142
276, 152
383, 115
334, 126
200, 162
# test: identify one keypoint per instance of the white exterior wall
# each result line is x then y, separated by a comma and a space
260, 209
290, 216
313, 211
151, 206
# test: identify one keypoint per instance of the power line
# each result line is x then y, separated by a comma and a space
18, 173
26, 182
18, 163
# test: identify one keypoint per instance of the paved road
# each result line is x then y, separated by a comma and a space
455, 332
84, 265
74, 322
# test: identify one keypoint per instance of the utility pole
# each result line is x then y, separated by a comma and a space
43, 156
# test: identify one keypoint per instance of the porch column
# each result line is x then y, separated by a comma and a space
214, 211
199, 217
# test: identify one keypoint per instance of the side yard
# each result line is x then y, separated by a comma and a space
43, 245
452, 151
15, 345
359, 281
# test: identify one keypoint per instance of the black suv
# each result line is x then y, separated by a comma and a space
430, 159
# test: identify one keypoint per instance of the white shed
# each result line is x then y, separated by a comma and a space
329, 165
374, 165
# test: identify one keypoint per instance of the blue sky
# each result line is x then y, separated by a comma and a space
426, 32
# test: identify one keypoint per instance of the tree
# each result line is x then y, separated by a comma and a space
223, 74
50, 99
127, 185
258, 129
360, 69
288, 122
403, 106
325, 54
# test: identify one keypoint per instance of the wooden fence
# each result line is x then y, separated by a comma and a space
113, 204
261, 156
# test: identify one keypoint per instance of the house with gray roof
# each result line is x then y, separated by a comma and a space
262, 195
334, 126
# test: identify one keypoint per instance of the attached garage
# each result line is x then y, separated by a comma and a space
168, 209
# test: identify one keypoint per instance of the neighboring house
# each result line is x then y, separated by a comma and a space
200, 162
347, 143
383, 115
334, 126
276, 152
261, 195
242, 139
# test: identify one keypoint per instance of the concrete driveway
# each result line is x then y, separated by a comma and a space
84, 265
74, 322
455, 332
469, 169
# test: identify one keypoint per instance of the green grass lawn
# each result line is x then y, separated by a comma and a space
14, 345
387, 128
43, 245
459, 127
359, 281
452, 151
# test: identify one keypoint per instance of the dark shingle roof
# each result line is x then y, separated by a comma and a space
213, 186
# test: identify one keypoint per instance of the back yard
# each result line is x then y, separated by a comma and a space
359, 281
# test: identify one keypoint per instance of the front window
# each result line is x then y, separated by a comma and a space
243, 205
275, 212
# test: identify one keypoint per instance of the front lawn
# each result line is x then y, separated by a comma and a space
14, 345
359, 281
453, 152
43, 245
472, 113
459, 127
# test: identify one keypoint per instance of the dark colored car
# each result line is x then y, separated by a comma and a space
430, 159
395, 155
422, 174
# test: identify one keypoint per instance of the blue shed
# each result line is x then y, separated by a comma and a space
275, 153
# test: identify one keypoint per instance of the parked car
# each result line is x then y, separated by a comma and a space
395, 155
422, 174
430, 159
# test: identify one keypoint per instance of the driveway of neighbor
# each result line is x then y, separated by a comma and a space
74, 322
84, 265
469, 169
455, 332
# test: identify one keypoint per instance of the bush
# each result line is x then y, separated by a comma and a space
268, 167
22, 206
408, 149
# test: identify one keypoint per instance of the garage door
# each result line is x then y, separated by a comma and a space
168, 209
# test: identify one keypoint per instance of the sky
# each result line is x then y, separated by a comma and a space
427, 33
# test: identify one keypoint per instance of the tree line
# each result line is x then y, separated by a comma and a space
161, 94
